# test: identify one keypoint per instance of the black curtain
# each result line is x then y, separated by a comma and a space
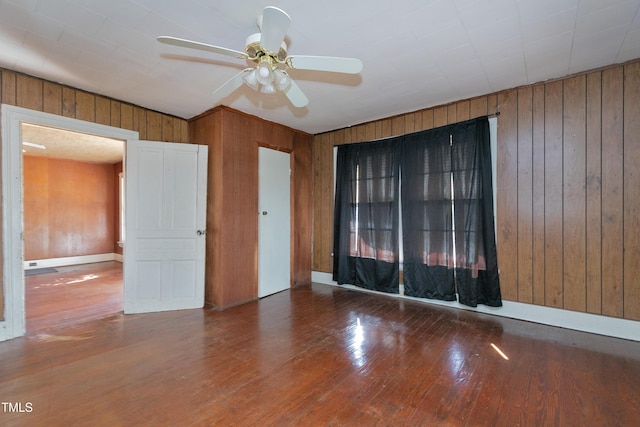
427, 235
476, 271
366, 216
448, 231
444, 255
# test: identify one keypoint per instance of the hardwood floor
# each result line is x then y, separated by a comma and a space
319, 355
73, 294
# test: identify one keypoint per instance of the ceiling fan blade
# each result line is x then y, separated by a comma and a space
296, 96
231, 85
201, 46
325, 63
275, 24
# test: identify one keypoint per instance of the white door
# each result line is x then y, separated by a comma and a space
165, 211
274, 224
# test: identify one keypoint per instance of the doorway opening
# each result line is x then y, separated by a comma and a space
73, 228
13, 322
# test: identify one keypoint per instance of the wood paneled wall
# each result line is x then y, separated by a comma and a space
36, 94
69, 208
30, 92
232, 221
568, 187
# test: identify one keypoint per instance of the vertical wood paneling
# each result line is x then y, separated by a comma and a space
52, 98
153, 126
302, 216
323, 202
632, 191
507, 194
440, 116
68, 102
492, 104
29, 92
69, 208
116, 113
463, 111
369, 132
612, 192
8, 87
525, 195
478, 107
398, 126
452, 113
574, 194
167, 129
410, 124
103, 110
126, 117
85, 106
538, 205
553, 195
385, 130
594, 193
36, 206
148, 129
427, 119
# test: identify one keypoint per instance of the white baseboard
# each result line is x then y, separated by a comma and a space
585, 322
73, 260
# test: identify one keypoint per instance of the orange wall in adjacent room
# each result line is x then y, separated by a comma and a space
69, 208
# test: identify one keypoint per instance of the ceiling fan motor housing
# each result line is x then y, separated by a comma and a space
256, 51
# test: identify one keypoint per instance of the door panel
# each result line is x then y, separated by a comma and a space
274, 229
165, 210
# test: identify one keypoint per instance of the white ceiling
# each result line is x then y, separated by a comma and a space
416, 53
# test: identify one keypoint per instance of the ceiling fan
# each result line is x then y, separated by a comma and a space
268, 51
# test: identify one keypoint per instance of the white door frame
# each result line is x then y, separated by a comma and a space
13, 324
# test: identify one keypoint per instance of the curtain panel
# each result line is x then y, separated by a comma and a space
427, 221
366, 216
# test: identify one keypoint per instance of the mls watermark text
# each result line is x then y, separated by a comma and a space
16, 407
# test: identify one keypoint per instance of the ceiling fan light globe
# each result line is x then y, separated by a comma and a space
251, 80
268, 88
283, 81
264, 74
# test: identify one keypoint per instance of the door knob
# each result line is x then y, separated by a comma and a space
201, 232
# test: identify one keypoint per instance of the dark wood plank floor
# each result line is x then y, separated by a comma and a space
73, 294
320, 355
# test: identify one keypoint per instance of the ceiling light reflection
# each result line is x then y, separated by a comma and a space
500, 352
356, 344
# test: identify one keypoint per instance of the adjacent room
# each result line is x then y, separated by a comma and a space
72, 226
418, 213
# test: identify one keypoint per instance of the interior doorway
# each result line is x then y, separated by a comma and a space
73, 228
13, 323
